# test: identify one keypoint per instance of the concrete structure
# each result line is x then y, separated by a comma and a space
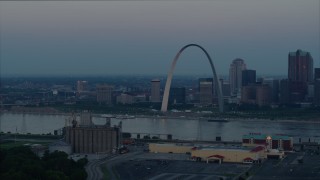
280, 142
177, 95
205, 91
235, 75
104, 94
300, 66
164, 106
85, 119
96, 139
155, 90
87, 137
248, 77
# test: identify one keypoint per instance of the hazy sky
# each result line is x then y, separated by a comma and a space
142, 37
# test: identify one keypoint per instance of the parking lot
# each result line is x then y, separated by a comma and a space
290, 168
175, 166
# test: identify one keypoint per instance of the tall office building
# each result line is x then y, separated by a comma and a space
155, 90
316, 73
274, 85
263, 95
235, 75
300, 66
206, 91
248, 77
316, 98
104, 94
177, 95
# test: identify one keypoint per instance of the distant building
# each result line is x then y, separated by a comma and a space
316, 98
225, 87
248, 77
206, 91
104, 94
263, 95
124, 99
300, 66
248, 94
177, 95
285, 93
82, 86
155, 90
274, 85
316, 73
235, 75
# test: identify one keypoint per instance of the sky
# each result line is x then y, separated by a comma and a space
142, 37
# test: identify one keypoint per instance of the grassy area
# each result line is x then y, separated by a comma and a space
11, 144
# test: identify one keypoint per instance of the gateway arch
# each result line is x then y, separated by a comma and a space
164, 106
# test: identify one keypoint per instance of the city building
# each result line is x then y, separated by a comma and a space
280, 142
177, 95
316, 99
274, 85
205, 91
300, 67
82, 86
155, 90
235, 75
263, 95
285, 93
92, 138
225, 87
104, 94
316, 73
248, 77
124, 98
248, 94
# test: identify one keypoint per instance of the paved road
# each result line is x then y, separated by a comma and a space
93, 167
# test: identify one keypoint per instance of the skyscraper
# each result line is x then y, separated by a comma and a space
300, 66
82, 86
206, 91
235, 75
177, 95
248, 77
155, 90
316, 73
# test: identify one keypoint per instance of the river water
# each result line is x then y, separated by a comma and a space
187, 129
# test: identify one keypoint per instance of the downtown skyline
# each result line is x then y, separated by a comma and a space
101, 38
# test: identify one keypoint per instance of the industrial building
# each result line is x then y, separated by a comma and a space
90, 138
219, 153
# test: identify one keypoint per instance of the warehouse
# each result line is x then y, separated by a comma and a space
229, 154
219, 153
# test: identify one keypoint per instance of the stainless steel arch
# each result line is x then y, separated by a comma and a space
164, 106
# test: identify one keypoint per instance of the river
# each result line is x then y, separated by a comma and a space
187, 129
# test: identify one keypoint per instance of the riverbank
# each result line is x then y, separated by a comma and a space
185, 116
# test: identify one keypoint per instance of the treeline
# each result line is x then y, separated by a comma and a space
22, 163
